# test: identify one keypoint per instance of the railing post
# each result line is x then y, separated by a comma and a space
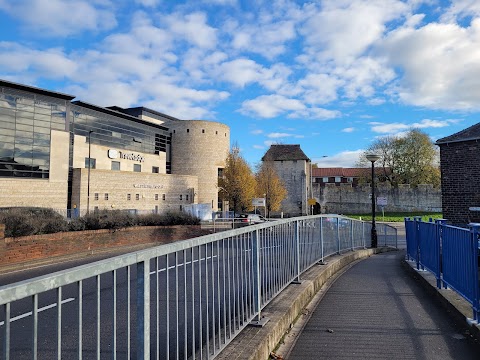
475, 244
351, 233
257, 281
321, 240
385, 234
297, 257
338, 236
439, 230
363, 235
416, 220
143, 309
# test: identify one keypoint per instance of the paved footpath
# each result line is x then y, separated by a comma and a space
376, 310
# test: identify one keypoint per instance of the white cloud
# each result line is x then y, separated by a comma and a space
193, 28
148, 3
256, 132
348, 130
391, 128
342, 159
279, 135
258, 147
268, 106
61, 18
440, 65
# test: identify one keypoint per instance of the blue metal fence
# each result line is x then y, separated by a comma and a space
185, 300
451, 253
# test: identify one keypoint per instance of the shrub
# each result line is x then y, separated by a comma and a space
31, 221
108, 219
170, 218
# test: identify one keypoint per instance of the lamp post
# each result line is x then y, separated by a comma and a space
89, 166
372, 158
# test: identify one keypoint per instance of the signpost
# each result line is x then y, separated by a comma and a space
382, 202
259, 202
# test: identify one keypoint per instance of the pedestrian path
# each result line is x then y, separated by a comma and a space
376, 310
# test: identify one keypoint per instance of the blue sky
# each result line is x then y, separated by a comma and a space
330, 75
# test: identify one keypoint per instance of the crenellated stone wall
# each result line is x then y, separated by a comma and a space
356, 200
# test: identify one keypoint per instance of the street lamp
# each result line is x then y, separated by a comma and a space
89, 166
372, 158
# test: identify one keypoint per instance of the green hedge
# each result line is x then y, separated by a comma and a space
35, 221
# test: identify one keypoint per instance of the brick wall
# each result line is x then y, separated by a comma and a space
28, 248
460, 169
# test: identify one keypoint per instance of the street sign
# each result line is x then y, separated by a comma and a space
312, 202
258, 202
382, 201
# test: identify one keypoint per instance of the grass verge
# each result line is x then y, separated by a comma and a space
396, 216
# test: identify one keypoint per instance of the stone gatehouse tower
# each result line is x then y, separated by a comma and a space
293, 167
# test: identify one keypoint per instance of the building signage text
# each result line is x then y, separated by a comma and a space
114, 154
148, 186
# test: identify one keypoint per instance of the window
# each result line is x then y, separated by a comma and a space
203, 131
181, 196
338, 179
156, 209
116, 165
96, 196
156, 196
106, 196
325, 179
186, 197
163, 196
220, 172
350, 179
188, 130
137, 196
155, 169
93, 163
129, 197
137, 168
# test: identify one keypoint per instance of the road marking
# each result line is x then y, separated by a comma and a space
39, 311
189, 262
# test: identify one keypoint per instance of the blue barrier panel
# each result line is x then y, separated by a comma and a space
429, 247
411, 236
459, 264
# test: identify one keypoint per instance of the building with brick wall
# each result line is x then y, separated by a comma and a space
460, 171
64, 154
293, 167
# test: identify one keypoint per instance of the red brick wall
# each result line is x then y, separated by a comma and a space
27, 248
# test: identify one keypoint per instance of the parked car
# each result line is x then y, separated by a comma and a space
251, 219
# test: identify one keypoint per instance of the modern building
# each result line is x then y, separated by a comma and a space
293, 167
460, 171
65, 154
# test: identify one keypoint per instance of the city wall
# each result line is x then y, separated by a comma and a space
35, 247
346, 199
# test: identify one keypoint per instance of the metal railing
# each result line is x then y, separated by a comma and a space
450, 253
185, 300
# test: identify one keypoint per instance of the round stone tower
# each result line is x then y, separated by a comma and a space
200, 148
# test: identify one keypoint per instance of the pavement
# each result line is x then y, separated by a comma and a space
367, 304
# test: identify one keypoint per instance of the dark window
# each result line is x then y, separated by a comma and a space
106, 196
129, 196
156, 196
116, 165
137, 196
96, 196
93, 163
163, 196
137, 168
186, 197
155, 169
203, 131
181, 196
188, 130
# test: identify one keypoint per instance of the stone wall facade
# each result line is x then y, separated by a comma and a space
295, 175
200, 148
460, 168
346, 199
28, 248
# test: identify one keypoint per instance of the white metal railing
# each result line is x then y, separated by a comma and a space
185, 300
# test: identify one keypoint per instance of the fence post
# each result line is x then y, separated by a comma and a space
351, 232
143, 309
385, 234
321, 262
338, 235
416, 220
297, 257
363, 235
257, 282
438, 246
475, 244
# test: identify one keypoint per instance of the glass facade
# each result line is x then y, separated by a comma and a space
26, 121
110, 129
